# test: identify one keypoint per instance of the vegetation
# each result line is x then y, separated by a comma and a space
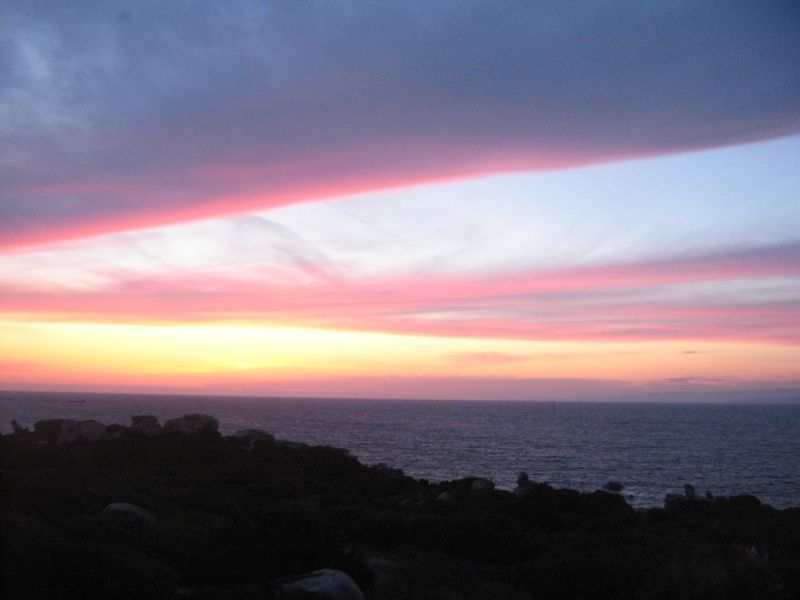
232, 519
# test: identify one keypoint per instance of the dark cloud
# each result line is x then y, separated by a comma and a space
117, 115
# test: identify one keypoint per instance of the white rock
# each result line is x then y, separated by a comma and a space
131, 509
325, 584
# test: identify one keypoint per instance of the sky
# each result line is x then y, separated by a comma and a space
475, 200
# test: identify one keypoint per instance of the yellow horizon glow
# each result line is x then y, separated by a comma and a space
52, 353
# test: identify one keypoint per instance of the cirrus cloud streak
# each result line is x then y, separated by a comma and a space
743, 295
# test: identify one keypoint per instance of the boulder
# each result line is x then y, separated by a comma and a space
130, 509
521, 491
689, 490
674, 501
481, 485
74, 431
18, 428
602, 502
325, 584
251, 436
524, 485
50, 428
445, 497
381, 570
744, 502
613, 486
146, 425
389, 472
292, 445
194, 424
115, 430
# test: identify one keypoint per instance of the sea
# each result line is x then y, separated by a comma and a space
653, 449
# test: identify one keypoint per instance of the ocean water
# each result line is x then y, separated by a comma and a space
653, 449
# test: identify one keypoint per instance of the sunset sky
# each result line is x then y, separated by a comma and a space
497, 200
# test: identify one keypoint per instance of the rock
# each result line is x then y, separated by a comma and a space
613, 486
674, 501
521, 491
389, 472
325, 584
50, 428
481, 485
524, 485
602, 502
381, 570
194, 424
250, 436
709, 495
18, 428
744, 502
130, 509
292, 445
689, 490
115, 430
445, 497
74, 431
146, 425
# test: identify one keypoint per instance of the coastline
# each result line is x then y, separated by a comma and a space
235, 514
653, 449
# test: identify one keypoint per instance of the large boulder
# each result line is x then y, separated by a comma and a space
325, 584
65, 431
127, 508
146, 425
86, 431
192, 425
115, 431
524, 485
613, 486
50, 428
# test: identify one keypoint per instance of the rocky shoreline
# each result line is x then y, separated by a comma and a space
179, 511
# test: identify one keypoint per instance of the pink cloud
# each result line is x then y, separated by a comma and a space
612, 302
482, 359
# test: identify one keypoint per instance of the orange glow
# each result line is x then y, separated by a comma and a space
221, 357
